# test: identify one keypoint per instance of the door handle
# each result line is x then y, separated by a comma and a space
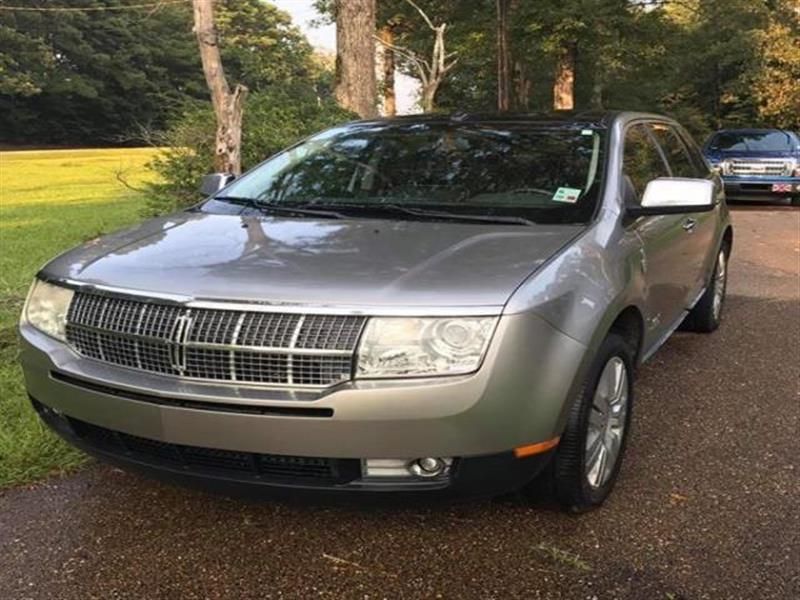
688, 224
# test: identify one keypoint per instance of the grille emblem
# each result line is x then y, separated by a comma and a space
178, 337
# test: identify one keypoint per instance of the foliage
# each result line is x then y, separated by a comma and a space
709, 63
49, 201
103, 73
777, 74
273, 120
105, 76
260, 45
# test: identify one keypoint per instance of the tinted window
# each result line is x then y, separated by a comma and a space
758, 141
548, 174
698, 160
674, 150
642, 161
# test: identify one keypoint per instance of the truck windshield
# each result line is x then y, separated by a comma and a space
754, 141
539, 174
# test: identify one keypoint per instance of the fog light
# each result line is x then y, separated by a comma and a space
427, 467
405, 468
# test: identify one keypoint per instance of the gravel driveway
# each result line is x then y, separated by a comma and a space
707, 505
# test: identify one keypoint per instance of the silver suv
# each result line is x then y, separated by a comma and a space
432, 304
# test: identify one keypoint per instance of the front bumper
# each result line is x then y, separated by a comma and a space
518, 397
760, 187
239, 474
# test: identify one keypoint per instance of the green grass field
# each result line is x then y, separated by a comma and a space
49, 202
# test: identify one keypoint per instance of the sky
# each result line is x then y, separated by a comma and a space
324, 38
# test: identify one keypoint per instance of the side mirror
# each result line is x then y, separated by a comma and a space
214, 182
668, 195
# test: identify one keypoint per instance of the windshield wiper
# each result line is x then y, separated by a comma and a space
443, 214
278, 208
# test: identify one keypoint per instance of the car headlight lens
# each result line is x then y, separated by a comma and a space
46, 308
395, 347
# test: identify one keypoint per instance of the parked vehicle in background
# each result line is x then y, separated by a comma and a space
427, 304
757, 164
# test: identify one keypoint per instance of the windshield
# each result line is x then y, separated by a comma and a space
754, 141
542, 175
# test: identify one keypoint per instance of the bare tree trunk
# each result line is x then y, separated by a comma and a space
387, 58
597, 92
356, 88
503, 57
433, 72
564, 86
522, 87
228, 106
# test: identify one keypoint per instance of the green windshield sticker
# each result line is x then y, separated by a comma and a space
566, 194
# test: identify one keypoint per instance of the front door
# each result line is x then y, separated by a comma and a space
699, 227
663, 238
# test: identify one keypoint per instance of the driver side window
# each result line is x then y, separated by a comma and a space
642, 161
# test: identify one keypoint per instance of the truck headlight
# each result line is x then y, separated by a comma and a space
46, 308
395, 347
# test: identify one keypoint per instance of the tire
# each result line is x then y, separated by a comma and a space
706, 315
577, 482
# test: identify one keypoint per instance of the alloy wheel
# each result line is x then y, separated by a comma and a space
720, 281
606, 422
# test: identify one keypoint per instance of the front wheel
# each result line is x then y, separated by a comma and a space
706, 315
590, 453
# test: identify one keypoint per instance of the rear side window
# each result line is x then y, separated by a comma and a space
642, 160
675, 151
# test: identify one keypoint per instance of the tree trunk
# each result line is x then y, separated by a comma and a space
428, 96
522, 87
228, 107
503, 57
387, 59
355, 56
564, 86
597, 92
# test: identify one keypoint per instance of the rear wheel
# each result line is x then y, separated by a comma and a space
706, 316
589, 456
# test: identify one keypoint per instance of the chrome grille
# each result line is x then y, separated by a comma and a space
759, 167
214, 344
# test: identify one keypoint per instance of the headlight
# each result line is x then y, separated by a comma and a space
725, 167
46, 308
395, 347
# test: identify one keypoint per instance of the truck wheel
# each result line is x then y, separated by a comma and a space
589, 456
706, 316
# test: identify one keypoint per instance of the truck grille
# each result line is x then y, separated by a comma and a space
759, 167
214, 345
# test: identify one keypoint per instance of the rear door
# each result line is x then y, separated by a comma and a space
699, 227
661, 236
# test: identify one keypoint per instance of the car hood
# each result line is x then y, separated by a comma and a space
352, 262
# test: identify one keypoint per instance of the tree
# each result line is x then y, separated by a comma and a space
503, 56
775, 82
93, 77
228, 105
386, 36
356, 87
431, 72
564, 80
